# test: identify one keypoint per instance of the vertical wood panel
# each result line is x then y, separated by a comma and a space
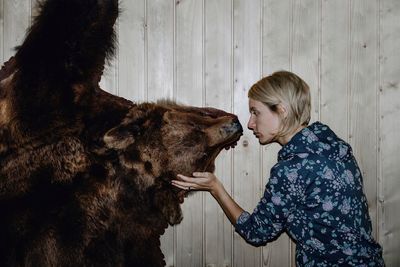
160, 77
2, 31
306, 53
363, 93
160, 53
246, 166
335, 65
34, 8
16, 15
389, 103
218, 93
109, 80
305, 47
189, 90
131, 53
189, 52
276, 56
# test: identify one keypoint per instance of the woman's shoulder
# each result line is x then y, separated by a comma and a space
301, 160
305, 165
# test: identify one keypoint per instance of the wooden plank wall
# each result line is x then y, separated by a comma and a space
209, 52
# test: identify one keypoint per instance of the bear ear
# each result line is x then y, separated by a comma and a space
120, 137
123, 135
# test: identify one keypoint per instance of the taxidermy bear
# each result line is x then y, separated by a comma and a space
85, 175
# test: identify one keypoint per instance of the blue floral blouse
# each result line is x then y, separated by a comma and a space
315, 194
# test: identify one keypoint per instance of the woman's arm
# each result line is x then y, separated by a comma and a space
206, 181
269, 218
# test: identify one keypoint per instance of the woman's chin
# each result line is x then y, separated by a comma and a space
264, 141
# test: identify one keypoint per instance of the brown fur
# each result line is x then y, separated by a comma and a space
85, 175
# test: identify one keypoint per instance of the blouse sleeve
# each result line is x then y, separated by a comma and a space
281, 196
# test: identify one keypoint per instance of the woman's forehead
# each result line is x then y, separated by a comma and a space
255, 104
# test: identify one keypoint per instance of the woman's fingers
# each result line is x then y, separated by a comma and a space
179, 185
200, 181
184, 185
186, 178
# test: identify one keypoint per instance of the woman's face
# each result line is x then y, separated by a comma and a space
263, 122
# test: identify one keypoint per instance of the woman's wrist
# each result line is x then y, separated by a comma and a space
229, 206
217, 189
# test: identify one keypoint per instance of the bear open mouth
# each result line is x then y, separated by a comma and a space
231, 142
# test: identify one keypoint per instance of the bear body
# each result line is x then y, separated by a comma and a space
85, 175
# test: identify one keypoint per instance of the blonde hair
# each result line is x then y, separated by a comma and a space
289, 90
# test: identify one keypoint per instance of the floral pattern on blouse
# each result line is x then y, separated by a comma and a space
315, 194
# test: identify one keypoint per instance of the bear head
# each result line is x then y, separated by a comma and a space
155, 142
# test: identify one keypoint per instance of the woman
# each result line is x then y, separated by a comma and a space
315, 190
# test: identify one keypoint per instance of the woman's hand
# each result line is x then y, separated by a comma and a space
206, 181
203, 181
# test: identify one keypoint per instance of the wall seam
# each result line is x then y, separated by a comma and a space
379, 88
349, 62
291, 33
174, 60
319, 58
204, 217
291, 51
2, 30
146, 53
232, 70
30, 12
117, 57
261, 69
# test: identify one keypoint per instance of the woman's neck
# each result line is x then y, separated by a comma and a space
285, 139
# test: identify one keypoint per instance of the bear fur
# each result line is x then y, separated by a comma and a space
85, 175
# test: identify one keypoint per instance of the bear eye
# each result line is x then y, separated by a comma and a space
196, 126
134, 129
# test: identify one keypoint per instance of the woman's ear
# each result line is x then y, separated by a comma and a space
282, 110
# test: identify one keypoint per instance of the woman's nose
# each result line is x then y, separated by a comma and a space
251, 124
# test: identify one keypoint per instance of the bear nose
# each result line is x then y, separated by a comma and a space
233, 127
236, 123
